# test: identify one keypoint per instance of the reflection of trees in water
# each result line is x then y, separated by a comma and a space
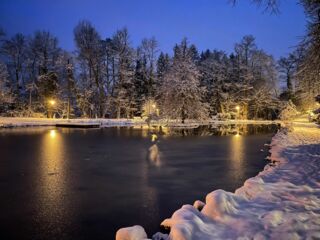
206, 130
217, 130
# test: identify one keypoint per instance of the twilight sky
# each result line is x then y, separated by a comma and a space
206, 23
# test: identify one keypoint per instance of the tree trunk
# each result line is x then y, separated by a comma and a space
183, 115
30, 101
118, 111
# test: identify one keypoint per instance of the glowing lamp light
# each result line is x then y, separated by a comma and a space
52, 102
153, 105
237, 108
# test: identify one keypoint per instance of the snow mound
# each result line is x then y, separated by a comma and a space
199, 205
131, 233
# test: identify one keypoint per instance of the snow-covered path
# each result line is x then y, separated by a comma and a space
282, 202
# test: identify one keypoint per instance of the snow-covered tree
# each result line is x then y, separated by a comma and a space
140, 81
288, 111
15, 51
124, 92
6, 97
308, 72
149, 49
214, 69
287, 69
163, 65
182, 94
149, 108
91, 51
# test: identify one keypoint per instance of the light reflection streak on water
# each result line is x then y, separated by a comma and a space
52, 188
151, 204
237, 149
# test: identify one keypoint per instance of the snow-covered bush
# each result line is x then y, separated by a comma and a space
149, 108
289, 111
224, 116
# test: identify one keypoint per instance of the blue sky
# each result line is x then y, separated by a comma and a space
213, 24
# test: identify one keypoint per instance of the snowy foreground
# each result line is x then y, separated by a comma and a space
281, 202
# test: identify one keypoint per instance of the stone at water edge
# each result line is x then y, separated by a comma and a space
131, 233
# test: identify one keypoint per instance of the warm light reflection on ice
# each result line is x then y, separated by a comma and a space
52, 133
154, 153
52, 175
154, 137
237, 149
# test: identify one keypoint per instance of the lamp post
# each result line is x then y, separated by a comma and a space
238, 111
50, 109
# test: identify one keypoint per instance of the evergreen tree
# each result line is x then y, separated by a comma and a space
181, 91
124, 92
163, 66
140, 81
287, 69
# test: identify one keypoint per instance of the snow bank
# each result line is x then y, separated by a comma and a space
281, 202
131, 233
7, 122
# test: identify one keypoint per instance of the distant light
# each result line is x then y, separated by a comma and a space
52, 102
238, 108
237, 135
153, 105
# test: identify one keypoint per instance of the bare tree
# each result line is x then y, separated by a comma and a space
14, 49
91, 50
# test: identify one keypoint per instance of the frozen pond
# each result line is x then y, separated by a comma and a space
59, 183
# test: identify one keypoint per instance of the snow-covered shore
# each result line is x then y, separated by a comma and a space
281, 202
7, 122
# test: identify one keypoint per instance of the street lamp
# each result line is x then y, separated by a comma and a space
238, 111
51, 104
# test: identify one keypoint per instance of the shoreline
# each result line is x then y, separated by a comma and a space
281, 202
13, 122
